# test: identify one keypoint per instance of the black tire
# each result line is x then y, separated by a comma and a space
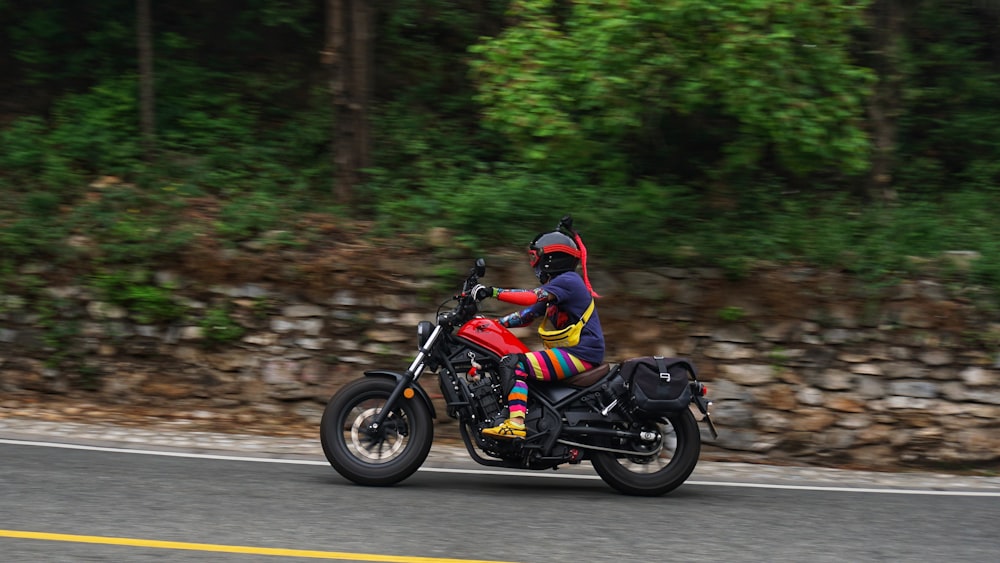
384, 458
660, 474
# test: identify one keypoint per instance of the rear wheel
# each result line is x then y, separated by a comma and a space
382, 456
677, 450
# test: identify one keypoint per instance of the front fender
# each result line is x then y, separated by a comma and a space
414, 385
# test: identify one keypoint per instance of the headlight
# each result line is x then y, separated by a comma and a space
424, 329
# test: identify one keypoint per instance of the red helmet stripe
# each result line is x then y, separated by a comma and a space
561, 248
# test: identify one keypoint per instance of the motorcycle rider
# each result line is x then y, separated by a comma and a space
563, 300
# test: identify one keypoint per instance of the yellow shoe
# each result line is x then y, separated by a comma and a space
506, 431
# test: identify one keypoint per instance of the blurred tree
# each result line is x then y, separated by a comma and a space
147, 96
349, 54
723, 89
886, 38
949, 126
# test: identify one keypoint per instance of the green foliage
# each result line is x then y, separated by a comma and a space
130, 225
591, 85
731, 314
635, 224
59, 43
98, 128
25, 234
22, 155
681, 132
248, 216
146, 302
58, 333
218, 327
478, 203
950, 82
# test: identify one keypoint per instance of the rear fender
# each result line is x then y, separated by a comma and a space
413, 385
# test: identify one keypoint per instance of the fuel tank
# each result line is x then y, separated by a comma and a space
491, 335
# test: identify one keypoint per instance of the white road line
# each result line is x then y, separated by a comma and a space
509, 472
159, 453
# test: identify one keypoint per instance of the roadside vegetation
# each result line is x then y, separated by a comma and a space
861, 136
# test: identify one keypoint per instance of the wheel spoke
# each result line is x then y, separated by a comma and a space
652, 464
373, 446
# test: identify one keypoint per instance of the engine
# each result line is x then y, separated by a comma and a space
487, 396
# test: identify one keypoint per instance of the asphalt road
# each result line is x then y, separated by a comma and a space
63, 505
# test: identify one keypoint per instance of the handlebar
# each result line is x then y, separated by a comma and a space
467, 306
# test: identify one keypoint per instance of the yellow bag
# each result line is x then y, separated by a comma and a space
564, 337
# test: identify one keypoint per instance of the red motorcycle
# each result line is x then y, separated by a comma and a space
632, 420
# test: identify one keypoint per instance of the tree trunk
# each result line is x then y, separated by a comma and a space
337, 59
349, 55
147, 96
887, 23
363, 50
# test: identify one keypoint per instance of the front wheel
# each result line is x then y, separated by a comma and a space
677, 452
367, 456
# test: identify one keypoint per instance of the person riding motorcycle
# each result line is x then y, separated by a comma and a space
570, 328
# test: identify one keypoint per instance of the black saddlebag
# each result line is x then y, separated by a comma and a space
658, 385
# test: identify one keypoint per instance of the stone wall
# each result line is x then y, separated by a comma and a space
802, 365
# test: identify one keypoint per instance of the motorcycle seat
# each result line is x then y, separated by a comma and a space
589, 377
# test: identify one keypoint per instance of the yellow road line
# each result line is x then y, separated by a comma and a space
246, 550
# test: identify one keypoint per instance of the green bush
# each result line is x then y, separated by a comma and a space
147, 303
218, 327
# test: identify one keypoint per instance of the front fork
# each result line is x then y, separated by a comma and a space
407, 382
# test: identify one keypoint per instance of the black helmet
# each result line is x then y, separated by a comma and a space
556, 252
552, 254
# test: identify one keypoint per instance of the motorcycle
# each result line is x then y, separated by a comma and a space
632, 420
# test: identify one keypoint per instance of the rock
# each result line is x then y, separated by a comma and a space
854, 421
283, 326
390, 335
737, 335
734, 414
261, 339
300, 311
811, 420
646, 285
749, 374
936, 358
729, 351
905, 402
979, 377
191, 333
166, 390
866, 369
232, 360
279, 370
312, 343
782, 332
770, 421
810, 396
842, 403
914, 388
780, 397
100, 310
747, 441
978, 444
832, 380
837, 336
991, 397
